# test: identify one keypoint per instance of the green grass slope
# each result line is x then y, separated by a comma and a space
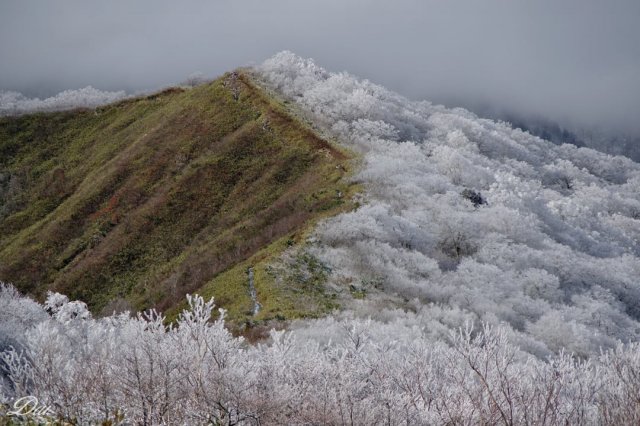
135, 204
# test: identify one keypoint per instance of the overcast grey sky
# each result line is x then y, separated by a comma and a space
576, 60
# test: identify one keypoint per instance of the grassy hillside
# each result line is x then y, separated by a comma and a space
135, 204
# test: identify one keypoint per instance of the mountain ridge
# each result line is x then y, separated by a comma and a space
111, 206
483, 275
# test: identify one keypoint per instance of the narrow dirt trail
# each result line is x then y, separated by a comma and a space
253, 294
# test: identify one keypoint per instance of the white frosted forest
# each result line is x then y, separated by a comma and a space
15, 103
139, 371
500, 275
469, 219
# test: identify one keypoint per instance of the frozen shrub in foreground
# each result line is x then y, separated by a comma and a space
541, 238
137, 370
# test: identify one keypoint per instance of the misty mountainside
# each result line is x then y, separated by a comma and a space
132, 205
607, 141
434, 267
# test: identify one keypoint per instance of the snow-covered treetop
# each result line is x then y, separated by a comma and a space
477, 218
14, 103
